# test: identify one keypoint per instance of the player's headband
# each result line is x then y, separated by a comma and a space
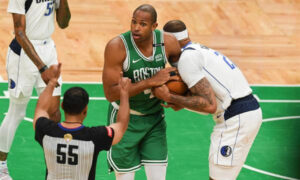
181, 35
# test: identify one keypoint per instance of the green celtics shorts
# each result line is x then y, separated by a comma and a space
144, 142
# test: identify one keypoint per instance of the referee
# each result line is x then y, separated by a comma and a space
70, 148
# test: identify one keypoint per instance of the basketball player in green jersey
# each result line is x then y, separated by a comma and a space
141, 54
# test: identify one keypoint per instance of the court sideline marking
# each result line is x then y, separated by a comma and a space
266, 172
6, 96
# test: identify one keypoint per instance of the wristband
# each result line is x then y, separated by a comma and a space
44, 68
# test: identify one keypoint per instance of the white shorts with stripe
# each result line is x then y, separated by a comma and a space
23, 75
231, 141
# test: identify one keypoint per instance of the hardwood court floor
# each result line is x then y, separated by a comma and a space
260, 36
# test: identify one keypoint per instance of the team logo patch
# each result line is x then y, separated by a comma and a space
68, 137
226, 151
12, 84
158, 57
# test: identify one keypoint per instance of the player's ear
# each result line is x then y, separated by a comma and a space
84, 112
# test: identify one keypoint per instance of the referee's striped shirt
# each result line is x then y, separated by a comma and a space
71, 153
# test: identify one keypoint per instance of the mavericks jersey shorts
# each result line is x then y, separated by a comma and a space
232, 139
144, 142
23, 75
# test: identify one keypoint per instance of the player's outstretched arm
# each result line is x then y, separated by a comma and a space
202, 98
43, 105
20, 29
123, 114
63, 14
114, 56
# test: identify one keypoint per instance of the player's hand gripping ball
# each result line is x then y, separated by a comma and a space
177, 86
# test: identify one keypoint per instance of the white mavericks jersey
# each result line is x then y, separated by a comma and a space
39, 16
227, 81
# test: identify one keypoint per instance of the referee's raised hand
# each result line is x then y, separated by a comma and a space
124, 84
124, 110
54, 72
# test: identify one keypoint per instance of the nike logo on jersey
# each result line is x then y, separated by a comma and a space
135, 61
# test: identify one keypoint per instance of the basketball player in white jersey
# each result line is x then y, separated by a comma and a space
216, 86
71, 149
30, 54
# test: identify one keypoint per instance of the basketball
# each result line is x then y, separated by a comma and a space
177, 86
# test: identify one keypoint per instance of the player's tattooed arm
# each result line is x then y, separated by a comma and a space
19, 27
202, 98
203, 89
63, 14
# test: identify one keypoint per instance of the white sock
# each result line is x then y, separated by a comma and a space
156, 172
125, 176
16, 113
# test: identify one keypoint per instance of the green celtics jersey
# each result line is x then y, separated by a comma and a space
137, 67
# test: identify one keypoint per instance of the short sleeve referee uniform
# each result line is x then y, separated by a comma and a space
71, 153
